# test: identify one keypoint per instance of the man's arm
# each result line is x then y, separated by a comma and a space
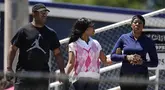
60, 62
11, 55
59, 58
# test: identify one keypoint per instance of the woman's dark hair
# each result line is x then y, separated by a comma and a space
79, 28
139, 17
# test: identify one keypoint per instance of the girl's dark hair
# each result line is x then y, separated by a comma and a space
139, 17
79, 28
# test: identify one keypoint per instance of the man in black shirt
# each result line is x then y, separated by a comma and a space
34, 41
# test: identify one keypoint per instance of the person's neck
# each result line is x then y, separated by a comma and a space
37, 24
85, 38
136, 35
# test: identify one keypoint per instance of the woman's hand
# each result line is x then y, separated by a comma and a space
134, 59
138, 59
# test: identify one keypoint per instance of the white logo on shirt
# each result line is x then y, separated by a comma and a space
36, 45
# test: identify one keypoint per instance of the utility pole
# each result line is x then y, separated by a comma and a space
16, 15
7, 29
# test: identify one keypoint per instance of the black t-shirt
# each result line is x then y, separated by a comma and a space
34, 45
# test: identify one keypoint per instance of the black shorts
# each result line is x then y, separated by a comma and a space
31, 84
27, 83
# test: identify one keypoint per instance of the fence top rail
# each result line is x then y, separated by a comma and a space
57, 83
105, 28
118, 87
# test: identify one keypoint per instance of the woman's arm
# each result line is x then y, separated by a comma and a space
152, 55
70, 63
104, 59
116, 54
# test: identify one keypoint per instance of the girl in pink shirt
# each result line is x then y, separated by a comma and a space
84, 55
11, 88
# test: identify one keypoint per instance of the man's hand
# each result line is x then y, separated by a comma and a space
63, 78
9, 75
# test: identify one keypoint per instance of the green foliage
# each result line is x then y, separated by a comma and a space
77, 1
135, 4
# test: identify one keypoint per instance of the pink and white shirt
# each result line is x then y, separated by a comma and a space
11, 88
86, 58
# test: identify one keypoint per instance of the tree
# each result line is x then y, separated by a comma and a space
135, 4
